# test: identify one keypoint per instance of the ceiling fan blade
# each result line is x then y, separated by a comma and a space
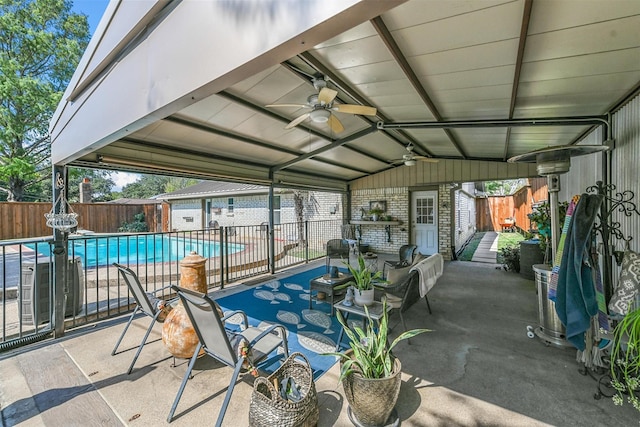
335, 124
287, 105
426, 159
355, 109
326, 95
295, 122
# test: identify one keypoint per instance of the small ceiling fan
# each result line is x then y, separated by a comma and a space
410, 159
322, 107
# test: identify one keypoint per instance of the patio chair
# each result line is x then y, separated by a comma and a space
337, 249
405, 254
349, 234
223, 345
146, 302
403, 294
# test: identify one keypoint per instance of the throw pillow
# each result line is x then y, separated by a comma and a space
397, 275
628, 284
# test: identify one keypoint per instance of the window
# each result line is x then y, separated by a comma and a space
425, 211
230, 205
276, 210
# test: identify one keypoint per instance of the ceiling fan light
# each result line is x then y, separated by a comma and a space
320, 115
410, 162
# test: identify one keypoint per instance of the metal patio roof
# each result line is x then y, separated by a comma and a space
181, 87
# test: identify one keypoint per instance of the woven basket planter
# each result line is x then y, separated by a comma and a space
373, 400
268, 409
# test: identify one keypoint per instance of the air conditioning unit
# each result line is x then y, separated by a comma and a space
37, 288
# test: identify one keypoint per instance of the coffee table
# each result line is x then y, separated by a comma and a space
326, 284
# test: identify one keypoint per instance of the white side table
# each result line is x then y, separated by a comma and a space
375, 313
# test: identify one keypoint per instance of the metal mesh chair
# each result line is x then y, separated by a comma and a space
337, 249
216, 341
146, 302
402, 295
405, 254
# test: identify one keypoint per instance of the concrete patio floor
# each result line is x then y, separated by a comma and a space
476, 368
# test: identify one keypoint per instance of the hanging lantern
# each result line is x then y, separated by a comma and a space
64, 220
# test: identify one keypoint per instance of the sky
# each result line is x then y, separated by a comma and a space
94, 9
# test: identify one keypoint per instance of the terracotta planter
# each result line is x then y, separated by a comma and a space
363, 298
372, 400
178, 334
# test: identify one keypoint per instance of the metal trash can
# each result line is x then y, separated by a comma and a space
530, 255
551, 329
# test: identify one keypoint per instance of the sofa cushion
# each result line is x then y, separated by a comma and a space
397, 275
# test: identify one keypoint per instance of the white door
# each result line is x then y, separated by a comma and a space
424, 221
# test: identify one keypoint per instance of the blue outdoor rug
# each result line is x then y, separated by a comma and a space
286, 301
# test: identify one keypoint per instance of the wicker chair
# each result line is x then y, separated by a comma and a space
402, 295
224, 346
405, 255
337, 249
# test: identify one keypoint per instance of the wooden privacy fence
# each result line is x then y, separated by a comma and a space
492, 211
20, 220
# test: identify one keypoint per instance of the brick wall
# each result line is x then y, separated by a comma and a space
397, 206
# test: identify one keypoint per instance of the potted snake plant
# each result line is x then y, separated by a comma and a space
369, 372
362, 282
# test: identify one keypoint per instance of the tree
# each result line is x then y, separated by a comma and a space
41, 42
502, 188
145, 187
176, 183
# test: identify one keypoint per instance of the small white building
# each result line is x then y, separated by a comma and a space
234, 204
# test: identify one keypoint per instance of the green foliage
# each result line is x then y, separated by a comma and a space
470, 249
509, 239
362, 278
510, 256
625, 359
175, 183
41, 43
372, 355
139, 225
146, 187
502, 188
541, 216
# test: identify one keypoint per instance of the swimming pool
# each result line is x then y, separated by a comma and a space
138, 249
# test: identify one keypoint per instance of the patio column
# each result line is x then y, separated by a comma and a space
272, 245
60, 254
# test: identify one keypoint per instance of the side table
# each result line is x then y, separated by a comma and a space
326, 284
375, 313
371, 261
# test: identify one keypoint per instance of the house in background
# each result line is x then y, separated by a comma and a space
234, 204
465, 215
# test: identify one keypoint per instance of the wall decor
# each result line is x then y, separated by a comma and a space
378, 205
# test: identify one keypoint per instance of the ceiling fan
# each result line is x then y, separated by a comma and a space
410, 159
322, 107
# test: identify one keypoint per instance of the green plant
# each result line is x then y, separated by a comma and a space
371, 353
625, 359
139, 225
510, 258
376, 211
363, 279
541, 216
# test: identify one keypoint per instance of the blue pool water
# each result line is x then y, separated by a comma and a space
137, 249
